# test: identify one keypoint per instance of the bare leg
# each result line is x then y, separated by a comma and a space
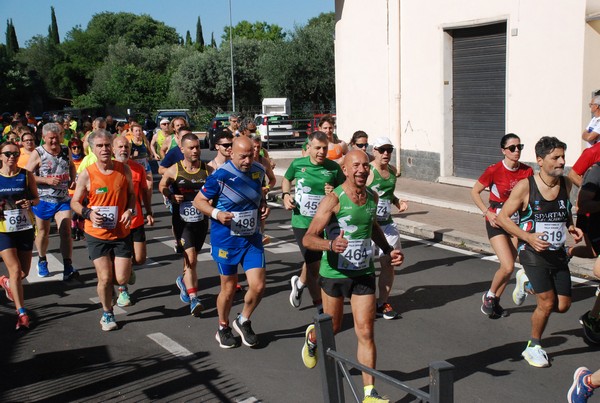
63, 221
363, 311
507, 254
104, 272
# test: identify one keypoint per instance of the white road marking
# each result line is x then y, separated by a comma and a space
170, 345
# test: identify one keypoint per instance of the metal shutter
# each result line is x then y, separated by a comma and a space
479, 82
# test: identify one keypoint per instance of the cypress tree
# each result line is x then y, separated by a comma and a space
213, 43
188, 39
53, 31
199, 35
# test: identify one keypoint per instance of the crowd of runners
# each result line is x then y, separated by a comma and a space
97, 183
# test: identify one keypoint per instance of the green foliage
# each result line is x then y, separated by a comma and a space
302, 68
259, 30
188, 39
53, 30
213, 43
12, 44
199, 35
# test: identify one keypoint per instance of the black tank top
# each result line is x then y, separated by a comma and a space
188, 184
548, 216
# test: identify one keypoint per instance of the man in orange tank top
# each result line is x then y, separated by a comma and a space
109, 188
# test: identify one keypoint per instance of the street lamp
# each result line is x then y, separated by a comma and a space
231, 57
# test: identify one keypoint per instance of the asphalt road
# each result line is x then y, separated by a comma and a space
161, 353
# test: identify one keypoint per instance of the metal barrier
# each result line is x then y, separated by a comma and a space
334, 367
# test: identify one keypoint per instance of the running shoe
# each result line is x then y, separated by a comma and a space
183, 295
386, 311
598, 291
591, 328
296, 294
488, 305
6, 286
108, 322
69, 273
124, 298
309, 349
579, 392
499, 312
132, 278
42, 268
245, 331
374, 397
536, 357
519, 293
196, 307
225, 338
22, 321
238, 287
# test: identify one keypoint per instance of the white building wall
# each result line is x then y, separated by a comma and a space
552, 66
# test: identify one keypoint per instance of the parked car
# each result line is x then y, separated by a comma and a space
217, 124
172, 114
277, 129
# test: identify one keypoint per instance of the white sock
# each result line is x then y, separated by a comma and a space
242, 319
299, 284
490, 294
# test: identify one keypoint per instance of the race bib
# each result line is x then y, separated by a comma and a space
189, 213
144, 162
110, 215
309, 204
17, 220
384, 209
357, 255
244, 223
514, 218
554, 233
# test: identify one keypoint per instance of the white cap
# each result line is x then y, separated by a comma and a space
165, 120
382, 141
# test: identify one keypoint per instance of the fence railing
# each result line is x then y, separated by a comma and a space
334, 367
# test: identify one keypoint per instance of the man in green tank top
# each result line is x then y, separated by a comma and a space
382, 180
315, 177
348, 216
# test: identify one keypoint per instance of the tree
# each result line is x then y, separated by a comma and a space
213, 43
199, 35
188, 39
53, 30
259, 30
302, 68
12, 44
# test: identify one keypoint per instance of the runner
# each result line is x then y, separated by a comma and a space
315, 177
269, 181
140, 153
77, 221
109, 187
180, 184
54, 173
382, 180
122, 151
545, 216
18, 193
236, 192
500, 178
349, 212
223, 143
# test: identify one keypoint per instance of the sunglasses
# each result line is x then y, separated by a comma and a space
164, 124
365, 145
514, 147
383, 150
9, 154
75, 148
226, 145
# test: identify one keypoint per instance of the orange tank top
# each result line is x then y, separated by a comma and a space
108, 196
335, 152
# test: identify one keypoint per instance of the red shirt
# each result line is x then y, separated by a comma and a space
138, 176
502, 180
588, 157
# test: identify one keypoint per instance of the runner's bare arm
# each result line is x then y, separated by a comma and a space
313, 239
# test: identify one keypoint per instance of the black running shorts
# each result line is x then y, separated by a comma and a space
346, 287
547, 271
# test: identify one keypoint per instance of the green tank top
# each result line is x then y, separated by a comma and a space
173, 142
357, 223
310, 187
385, 190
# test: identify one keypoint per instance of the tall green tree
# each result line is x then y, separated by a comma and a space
302, 68
258, 30
188, 38
199, 35
12, 44
53, 30
213, 43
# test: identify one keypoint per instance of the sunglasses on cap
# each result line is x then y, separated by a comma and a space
514, 147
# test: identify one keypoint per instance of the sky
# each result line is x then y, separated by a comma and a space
32, 17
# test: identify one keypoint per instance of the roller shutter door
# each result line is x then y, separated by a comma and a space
479, 86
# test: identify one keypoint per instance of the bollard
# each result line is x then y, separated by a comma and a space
441, 382
331, 378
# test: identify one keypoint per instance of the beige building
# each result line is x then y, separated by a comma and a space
445, 80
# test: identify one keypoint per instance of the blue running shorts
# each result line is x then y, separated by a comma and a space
46, 210
250, 257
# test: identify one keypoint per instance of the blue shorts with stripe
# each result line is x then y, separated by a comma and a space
249, 256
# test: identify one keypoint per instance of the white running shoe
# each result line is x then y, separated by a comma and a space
519, 293
296, 293
536, 357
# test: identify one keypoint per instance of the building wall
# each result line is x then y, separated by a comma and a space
552, 67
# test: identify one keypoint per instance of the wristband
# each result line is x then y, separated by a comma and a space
86, 212
285, 193
215, 213
331, 245
387, 250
